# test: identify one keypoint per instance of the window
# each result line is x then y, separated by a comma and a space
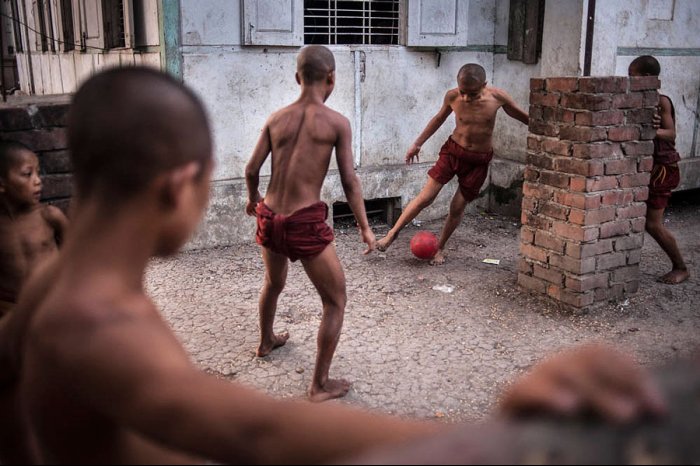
19, 47
113, 17
66, 9
331, 22
525, 28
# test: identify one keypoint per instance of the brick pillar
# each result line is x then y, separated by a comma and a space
589, 157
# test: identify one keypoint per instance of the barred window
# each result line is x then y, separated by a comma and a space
351, 22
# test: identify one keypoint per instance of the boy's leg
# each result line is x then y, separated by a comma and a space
454, 218
327, 275
276, 266
655, 227
424, 199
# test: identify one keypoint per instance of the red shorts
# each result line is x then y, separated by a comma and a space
301, 235
471, 168
664, 179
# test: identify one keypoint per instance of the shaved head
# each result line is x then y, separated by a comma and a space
646, 65
10, 152
314, 63
129, 125
472, 74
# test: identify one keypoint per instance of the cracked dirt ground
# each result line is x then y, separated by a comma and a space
409, 349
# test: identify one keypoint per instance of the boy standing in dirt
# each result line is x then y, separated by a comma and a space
30, 232
292, 218
665, 175
467, 154
101, 377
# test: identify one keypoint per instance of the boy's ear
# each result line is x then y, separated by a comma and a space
297, 77
176, 181
331, 78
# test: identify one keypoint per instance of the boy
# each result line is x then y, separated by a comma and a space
30, 232
292, 218
103, 379
467, 154
665, 175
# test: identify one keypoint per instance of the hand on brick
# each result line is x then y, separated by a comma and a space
590, 380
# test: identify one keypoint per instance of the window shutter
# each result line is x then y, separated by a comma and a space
437, 23
273, 22
91, 26
525, 28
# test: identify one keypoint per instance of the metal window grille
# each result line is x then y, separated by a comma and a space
351, 22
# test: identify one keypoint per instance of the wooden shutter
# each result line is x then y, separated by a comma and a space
437, 23
525, 30
273, 22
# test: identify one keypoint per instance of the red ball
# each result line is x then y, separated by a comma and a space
424, 245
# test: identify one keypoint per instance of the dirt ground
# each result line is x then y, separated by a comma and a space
408, 348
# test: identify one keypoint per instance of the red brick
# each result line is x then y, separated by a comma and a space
544, 129
624, 133
592, 217
531, 174
540, 161
613, 117
601, 183
635, 181
638, 148
53, 115
579, 166
626, 274
635, 241
634, 257
575, 232
597, 151
525, 267
527, 235
639, 116
15, 119
641, 194
551, 275
558, 115
569, 264
532, 283
534, 253
606, 85
578, 200
620, 167
536, 112
650, 99
555, 211
577, 300
633, 100
549, 241
534, 143
57, 186
554, 292
537, 84
558, 180
578, 184
632, 211
595, 102
612, 261
614, 229
554, 146
613, 198
639, 225
530, 205
587, 283
645, 164
583, 134
647, 133
614, 293
586, 251
562, 84
43, 140
55, 162
544, 98
644, 83
537, 191
536, 221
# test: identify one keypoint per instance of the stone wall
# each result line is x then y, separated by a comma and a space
42, 128
589, 157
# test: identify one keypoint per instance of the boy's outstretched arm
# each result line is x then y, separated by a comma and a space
511, 108
351, 183
252, 169
159, 394
433, 125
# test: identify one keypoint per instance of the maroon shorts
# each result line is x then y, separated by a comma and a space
471, 168
664, 179
301, 235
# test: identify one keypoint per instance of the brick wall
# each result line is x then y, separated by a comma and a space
42, 127
589, 157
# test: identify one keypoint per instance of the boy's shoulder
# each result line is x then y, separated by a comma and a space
498, 93
52, 214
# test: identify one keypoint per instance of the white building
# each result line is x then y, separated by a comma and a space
395, 60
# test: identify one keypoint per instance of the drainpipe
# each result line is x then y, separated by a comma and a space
590, 26
2, 61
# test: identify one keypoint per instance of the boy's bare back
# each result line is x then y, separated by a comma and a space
302, 138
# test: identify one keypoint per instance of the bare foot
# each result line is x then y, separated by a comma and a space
267, 347
440, 258
675, 277
386, 242
331, 390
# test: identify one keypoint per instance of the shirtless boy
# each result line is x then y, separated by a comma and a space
292, 218
467, 154
102, 377
30, 232
665, 175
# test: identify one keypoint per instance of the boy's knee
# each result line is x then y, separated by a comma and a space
653, 227
274, 286
335, 300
